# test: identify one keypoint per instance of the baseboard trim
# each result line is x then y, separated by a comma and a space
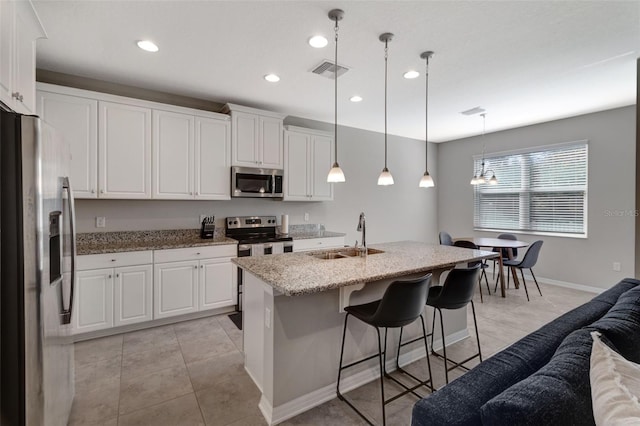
283, 412
566, 284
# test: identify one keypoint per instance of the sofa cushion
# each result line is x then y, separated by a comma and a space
459, 402
560, 393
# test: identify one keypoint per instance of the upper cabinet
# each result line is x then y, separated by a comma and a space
124, 151
256, 137
190, 157
308, 156
77, 119
132, 149
20, 27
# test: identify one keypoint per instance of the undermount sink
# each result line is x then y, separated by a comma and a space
343, 253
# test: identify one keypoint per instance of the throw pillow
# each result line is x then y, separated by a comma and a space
615, 386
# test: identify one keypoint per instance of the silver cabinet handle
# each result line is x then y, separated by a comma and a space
102, 191
196, 267
117, 275
201, 266
198, 253
113, 260
17, 96
66, 185
93, 191
109, 275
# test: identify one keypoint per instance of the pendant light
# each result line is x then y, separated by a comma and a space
483, 177
427, 180
336, 174
385, 177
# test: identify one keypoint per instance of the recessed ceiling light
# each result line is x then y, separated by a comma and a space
318, 41
355, 98
411, 74
147, 45
272, 78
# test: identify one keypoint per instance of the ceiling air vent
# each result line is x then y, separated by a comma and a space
472, 111
328, 68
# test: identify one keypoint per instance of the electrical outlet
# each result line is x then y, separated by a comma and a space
616, 266
101, 222
306, 217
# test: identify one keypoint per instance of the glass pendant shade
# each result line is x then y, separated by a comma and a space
385, 178
426, 181
335, 174
493, 180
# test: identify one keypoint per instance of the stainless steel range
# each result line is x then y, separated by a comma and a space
256, 236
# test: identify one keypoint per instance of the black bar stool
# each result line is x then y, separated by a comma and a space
457, 292
402, 303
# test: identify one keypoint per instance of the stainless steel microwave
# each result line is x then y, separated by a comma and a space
252, 182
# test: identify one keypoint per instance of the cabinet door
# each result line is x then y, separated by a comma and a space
93, 300
6, 51
124, 151
27, 29
172, 155
212, 174
271, 146
175, 288
244, 139
320, 163
77, 120
296, 166
217, 287
133, 297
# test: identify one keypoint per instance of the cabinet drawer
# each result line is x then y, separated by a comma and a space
114, 260
317, 243
194, 253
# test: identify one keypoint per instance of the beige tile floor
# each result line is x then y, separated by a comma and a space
191, 373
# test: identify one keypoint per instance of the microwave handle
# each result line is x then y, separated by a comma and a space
273, 184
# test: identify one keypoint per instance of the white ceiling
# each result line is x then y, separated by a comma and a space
523, 61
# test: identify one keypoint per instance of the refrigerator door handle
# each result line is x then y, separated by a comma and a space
66, 313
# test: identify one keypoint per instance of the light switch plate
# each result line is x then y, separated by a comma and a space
101, 221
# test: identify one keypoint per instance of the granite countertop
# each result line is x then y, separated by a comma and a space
115, 242
295, 274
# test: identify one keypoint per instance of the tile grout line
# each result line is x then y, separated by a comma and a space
120, 383
195, 395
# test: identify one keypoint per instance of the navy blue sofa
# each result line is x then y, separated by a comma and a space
542, 379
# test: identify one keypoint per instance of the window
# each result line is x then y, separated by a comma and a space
541, 190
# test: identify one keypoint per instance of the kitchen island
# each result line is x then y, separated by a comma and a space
293, 316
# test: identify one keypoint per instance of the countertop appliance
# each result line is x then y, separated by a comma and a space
249, 182
37, 249
256, 236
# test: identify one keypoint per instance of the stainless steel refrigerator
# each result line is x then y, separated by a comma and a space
37, 247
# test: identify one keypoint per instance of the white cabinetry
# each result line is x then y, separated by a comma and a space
193, 279
112, 290
256, 137
310, 244
124, 151
190, 157
112, 140
19, 30
76, 118
308, 158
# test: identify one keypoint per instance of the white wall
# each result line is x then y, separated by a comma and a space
399, 212
611, 136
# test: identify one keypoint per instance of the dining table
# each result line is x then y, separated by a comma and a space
499, 243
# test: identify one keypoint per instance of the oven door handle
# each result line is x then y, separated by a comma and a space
244, 248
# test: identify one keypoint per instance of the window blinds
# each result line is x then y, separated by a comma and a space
541, 190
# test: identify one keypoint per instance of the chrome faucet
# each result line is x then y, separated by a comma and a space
362, 227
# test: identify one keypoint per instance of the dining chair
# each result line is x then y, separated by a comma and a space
445, 238
504, 251
528, 261
482, 264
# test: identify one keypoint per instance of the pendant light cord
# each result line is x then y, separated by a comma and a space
386, 54
426, 117
335, 98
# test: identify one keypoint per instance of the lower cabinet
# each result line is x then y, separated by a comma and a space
175, 288
133, 291
118, 289
93, 300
